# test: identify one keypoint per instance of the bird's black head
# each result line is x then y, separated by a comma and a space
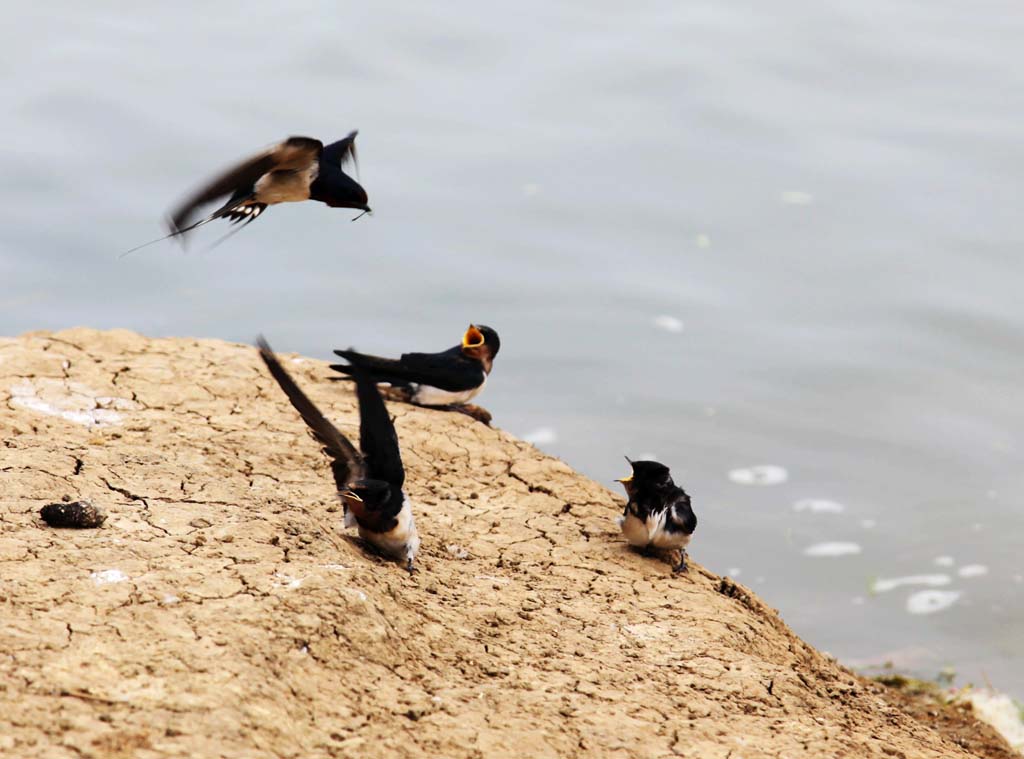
367, 496
647, 475
339, 190
482, 343
359, 197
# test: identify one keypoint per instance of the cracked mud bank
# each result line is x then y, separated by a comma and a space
221, 611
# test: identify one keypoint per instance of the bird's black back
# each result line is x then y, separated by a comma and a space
654, 491
681, 517
448, 370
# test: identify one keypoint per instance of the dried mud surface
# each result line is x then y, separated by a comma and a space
221, 612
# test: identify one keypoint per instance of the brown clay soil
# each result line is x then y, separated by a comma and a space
221, 612
954, 720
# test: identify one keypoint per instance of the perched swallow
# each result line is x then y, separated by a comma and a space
658, 513
300, 168
369, 480
449, 378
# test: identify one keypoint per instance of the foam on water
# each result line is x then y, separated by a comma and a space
1001, 712
885, 585
832, 549
931, 601
819, 506
759, 474
972, 570
668, 323
541, 436
796, 198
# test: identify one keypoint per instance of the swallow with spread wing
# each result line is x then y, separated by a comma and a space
658, 514
300, 168
370, 479
449, 378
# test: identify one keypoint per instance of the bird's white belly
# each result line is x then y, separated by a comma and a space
651, 532
400, 542
427, 395
285, 186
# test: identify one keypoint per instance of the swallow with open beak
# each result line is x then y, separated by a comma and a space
300, 168
450, 378
370, 479
658, 515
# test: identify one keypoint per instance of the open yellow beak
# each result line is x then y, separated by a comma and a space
625, 480
352, 495
473, 338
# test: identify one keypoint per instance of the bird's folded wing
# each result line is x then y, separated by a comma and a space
346, 462
447, 370
682, 516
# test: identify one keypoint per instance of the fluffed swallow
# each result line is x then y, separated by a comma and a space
658, 514
449, 378
370, 479
300, 168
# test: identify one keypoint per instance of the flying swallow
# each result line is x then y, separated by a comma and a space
300, 168
370, 479
449, 378
658, 514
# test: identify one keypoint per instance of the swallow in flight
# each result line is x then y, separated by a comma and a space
449, 378
369, 479
300, 168
658, 514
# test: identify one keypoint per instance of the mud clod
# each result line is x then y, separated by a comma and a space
77, 514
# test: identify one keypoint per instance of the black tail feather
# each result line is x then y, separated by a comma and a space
228, 210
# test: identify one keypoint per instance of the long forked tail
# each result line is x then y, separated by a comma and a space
234, 209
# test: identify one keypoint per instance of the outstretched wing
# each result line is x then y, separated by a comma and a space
377, 437
447, 370
293, 154
342, 152
346, 462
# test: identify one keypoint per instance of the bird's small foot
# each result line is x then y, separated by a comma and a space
681, 566
472, 410
409, 567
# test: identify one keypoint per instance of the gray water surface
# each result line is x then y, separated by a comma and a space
824, 196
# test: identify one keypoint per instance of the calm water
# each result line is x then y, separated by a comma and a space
824, 199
